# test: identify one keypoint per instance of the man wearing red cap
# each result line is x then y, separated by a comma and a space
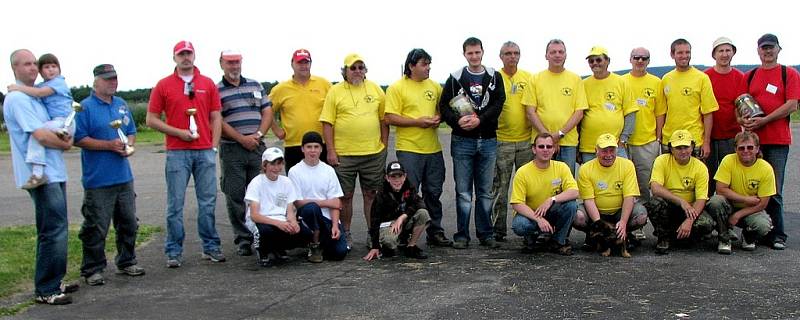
191, 105
299, 102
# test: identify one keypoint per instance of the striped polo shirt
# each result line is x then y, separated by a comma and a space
242, 105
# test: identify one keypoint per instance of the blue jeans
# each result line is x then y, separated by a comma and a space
567, 155
311, 217
427, 171
201, 164
50, 203
776, 155
559, 216
473, 166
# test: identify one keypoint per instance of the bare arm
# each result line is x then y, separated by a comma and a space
533, 118
591, 209
334, 203
32, 91
573, 121
659, 126
384, 133
327, 132
277, 130
49, 139
216, 127
421, 122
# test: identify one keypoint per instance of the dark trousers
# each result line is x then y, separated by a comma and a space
311, 216
239, 166
100, 207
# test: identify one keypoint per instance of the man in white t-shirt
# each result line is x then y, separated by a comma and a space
318, 201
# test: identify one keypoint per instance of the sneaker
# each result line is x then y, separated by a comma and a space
34, 182
662, 246
95, 279
314, 253
214, 256
415, 252
638, 234
174, 261
281, 256
460, 244
54, 299
440, 240
69, 287
132, 270
724, 247
490, 243
778, 245
265, 261
747, 246
244, 250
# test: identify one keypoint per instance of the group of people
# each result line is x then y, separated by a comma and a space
711, 175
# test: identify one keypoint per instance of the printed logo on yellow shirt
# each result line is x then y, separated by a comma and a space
649, 92
610, 96
688, 183
752, 184
618, 185
686, 91
566, 91
369, 98
522, 85
602, 185
428, 95
556, 190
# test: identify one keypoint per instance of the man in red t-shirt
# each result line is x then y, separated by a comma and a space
193, 123
778, 98
727, 84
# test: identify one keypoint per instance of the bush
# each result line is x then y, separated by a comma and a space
139, 112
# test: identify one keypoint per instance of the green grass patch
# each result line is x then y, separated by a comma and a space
18, 247
147, 136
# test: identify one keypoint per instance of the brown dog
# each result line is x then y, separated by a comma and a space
604, 236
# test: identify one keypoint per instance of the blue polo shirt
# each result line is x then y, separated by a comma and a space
102, 168
58, 104
23, 115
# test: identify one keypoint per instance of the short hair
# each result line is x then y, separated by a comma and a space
508, 44
13, 58
746, 135
544, 135
678, 42
47, 58
413, 57
554, 41
471, 41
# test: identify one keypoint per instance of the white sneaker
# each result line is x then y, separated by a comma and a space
724, 248
748, 246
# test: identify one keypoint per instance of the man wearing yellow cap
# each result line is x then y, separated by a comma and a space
356, 135
608, 187
680, 189
611, 107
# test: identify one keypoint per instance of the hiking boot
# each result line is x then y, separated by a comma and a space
662, 246
174, 261
214, 256
95, 279
439, 240
460, 244
132, 270
69, 287
314, 253
244, 250
415, 252
35, 182
54, 299
724, 247
490, 243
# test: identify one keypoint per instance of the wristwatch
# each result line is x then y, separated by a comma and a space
215, 149
561, 134
554, 199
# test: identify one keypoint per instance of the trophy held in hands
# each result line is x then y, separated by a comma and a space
462, 105
117, 124
192, 122
747, 107
64, 131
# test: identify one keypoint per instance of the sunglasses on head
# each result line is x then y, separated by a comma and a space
640, 58
743, 148
359, 67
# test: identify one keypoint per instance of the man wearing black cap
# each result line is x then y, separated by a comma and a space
107, 178
776, 88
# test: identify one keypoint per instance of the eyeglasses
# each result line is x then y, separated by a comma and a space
640, 58
544, 146
743, 148
359, 67
594, 60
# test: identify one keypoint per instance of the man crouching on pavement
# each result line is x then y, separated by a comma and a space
397, 212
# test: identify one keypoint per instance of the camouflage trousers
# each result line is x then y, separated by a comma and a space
667, 217
754, 226
510, 155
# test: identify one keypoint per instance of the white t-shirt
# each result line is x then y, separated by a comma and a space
316, 183
272, 196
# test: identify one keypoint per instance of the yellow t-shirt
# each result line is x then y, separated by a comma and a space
688, 96
608, 186
355, 112
650, 99
299, 106
556, 97
756, 180
689, 182
532, 186
513, 125
412, 99
610, 100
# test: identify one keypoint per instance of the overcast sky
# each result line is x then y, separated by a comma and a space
138, 36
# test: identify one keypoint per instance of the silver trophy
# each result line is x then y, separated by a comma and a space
747, 107
192, 122
117, 124
64, 130
462, 105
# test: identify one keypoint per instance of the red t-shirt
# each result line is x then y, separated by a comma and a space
767, 88
727, 87
168, 97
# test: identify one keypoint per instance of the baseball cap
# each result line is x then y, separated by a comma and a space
105, 71
181, 46
394, 167
300, 55
720, 41
352, 58
597, 51
271, 154
230, 55
311, 137
768, 39
681, 138
606, 140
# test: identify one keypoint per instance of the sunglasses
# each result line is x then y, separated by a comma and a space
743, 148
544, 146
361, 68
188, 88
640, 58
595, 60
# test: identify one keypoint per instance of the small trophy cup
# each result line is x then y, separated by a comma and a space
117, 124
747, 107
462, 105
64, 130
192, 122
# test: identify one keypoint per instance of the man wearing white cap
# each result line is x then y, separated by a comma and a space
192, 126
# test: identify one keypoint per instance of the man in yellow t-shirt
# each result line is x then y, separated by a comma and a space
557, 103
299, 102
411, 106
543, 197
745, 184
611, 108
690, 100
608, 188
680, 190
644, 145
356, 136
513, 134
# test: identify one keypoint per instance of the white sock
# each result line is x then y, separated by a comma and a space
38, 170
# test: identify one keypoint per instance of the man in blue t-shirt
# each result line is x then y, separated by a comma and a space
107, 178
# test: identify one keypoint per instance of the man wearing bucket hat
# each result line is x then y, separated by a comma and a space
680, 190
728, 85
776, 88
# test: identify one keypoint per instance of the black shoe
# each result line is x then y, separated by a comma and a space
415, 252
439, 240
388, 253
662, 246
281, 256
499, 238
265, 261
69, 287
244, 250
